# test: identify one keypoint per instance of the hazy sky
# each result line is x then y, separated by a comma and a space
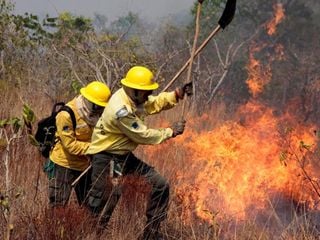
152, 9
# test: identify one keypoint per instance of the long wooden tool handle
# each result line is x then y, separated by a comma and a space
80, 176
195, 40
205, 42
226, 18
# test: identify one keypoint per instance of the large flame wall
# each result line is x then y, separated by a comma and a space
240, 164
235, 168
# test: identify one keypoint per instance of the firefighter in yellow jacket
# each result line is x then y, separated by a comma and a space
67, 159
118, 132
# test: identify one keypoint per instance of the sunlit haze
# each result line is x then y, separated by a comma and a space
152, 10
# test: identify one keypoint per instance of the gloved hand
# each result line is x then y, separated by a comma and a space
178, 127
200, 1
185, 89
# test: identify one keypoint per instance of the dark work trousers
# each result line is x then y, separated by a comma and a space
60, 186
104, 195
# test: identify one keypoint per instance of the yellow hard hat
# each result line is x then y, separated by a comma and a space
97, 93
140, 78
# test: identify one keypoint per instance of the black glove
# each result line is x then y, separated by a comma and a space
178, 127
185, 89
200, 1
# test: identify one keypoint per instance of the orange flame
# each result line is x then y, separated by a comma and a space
241, 164
260, 74
236, 168
278, 17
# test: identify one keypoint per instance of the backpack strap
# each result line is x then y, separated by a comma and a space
70, 111
55, 108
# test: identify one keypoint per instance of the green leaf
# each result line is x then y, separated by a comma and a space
76, 86
12, 121
16, 123
32, 140
3, 123
51, 20
50, 24
28, 114
34, 17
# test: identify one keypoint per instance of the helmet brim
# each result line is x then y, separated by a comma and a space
152, 86
91, 99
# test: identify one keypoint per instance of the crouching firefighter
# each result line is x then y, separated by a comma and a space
119, 131
67, 159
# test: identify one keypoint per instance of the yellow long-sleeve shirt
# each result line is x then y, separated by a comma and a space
69, 151
121, 129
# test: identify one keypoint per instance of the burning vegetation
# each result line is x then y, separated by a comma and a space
260, 165
247, 166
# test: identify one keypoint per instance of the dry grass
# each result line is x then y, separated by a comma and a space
31, 219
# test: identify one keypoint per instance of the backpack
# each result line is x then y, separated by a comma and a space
45, 134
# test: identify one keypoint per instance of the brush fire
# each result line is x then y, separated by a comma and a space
252, 163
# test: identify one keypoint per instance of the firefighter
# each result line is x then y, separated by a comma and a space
119, 131
67, 159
